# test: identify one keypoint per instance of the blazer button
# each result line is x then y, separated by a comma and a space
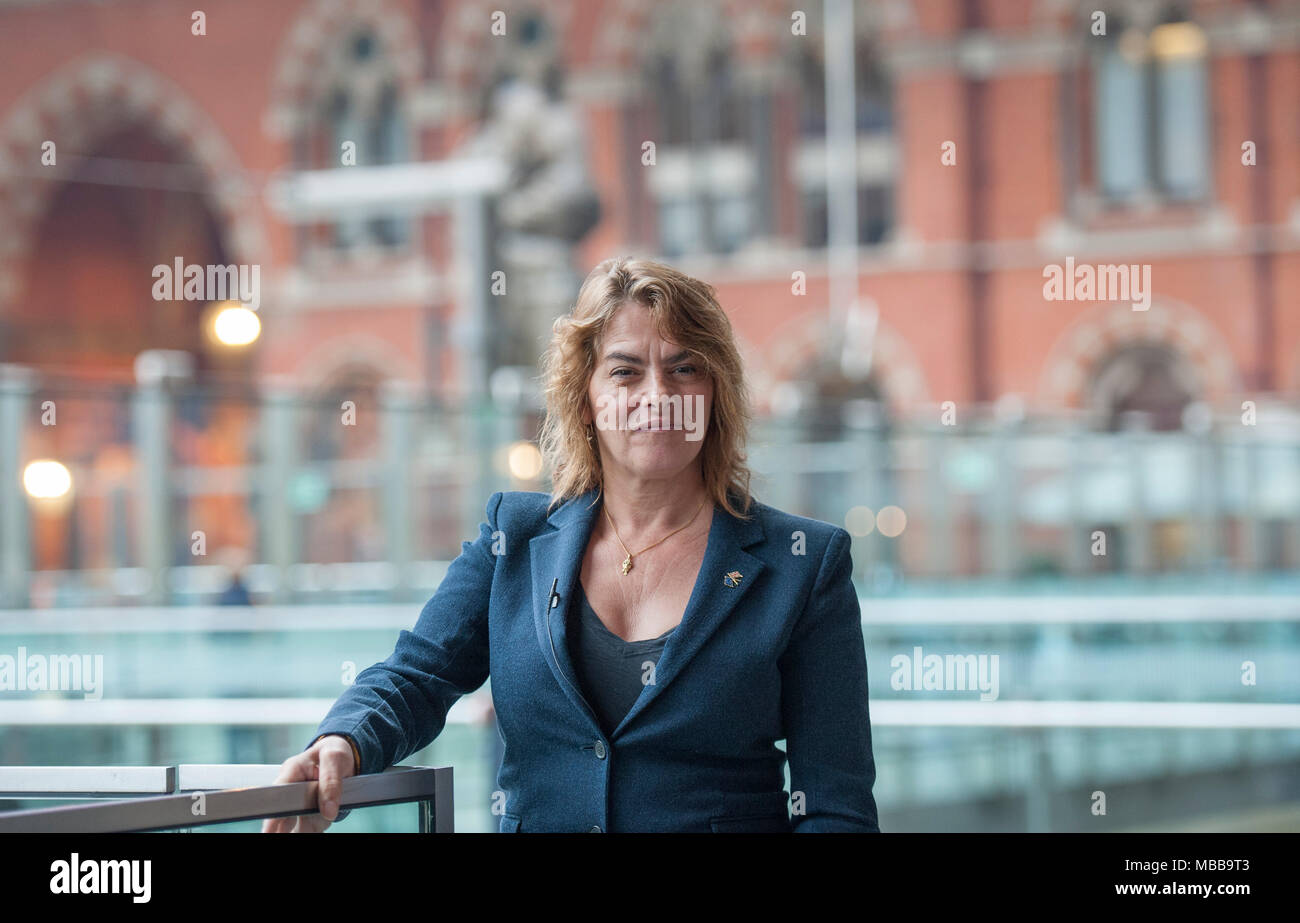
594, 830
600, 753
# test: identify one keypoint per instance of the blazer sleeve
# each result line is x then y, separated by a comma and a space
824, 704
400, 705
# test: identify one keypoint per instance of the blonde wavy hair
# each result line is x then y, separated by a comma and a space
686, 312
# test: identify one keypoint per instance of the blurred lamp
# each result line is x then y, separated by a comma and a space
859, 521
46, 480
525, 461
235, 325
1177, 40
891, 521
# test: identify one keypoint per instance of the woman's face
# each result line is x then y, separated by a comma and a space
648, 398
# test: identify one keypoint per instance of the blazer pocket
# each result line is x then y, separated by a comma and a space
509, 823
751, 823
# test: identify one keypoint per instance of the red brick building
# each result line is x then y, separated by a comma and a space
995, 138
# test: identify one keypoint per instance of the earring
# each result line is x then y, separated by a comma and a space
591, 435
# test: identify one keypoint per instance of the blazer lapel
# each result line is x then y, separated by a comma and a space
557, 556
712, 601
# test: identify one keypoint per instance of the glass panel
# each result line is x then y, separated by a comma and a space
732, 220
680, 227
1184, 135
1121, 119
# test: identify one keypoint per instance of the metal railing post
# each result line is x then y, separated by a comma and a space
279, 439
16, 386
152, 413
398, 407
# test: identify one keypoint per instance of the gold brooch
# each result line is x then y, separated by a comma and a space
732, 579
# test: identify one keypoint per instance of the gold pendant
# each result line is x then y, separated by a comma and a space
627, 565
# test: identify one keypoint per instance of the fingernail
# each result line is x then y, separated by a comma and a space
327, 806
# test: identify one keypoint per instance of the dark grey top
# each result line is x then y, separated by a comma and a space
610, 670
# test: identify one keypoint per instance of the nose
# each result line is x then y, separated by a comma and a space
653, 385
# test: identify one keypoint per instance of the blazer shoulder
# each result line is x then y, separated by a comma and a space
520, 508
781, 526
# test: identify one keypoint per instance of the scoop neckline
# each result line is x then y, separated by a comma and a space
588, 610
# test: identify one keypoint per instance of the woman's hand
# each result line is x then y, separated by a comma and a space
328, 760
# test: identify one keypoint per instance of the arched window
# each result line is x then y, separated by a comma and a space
706, 176
1150, 110
360, 104
343, 420
876, 155
843, 410
873, 92
1142, 379
528, 51
840, 404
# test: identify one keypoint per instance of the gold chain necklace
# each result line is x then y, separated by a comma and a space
627, 562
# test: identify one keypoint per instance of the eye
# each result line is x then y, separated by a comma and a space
688, 369
615, 372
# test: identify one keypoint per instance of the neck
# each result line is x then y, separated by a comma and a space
647, 508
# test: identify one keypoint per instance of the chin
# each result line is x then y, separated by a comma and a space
662, 466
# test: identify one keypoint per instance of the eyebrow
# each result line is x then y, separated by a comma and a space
635, 360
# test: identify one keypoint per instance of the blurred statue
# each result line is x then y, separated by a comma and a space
543, 142
547, 207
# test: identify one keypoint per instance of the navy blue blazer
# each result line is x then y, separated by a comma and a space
780, 655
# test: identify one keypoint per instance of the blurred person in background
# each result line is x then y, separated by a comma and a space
235, 593
651, 630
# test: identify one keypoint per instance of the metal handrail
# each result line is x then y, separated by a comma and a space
431, 787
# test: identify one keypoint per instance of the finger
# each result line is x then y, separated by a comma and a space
315, 823
309, 823
294, 769
282, 824
333, 767
302, 767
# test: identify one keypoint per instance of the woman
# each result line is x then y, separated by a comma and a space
650, 630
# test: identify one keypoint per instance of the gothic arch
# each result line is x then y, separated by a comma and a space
756, 27
327, 360
468, 31
309, 41
73, 107
1099, 332
752, 24
894, 365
